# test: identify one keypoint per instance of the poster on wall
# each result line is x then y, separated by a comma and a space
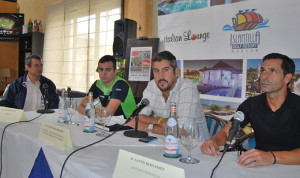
215, 77
208, 32
222, 109
140, 64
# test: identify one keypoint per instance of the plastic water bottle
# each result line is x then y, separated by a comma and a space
62, 108
172, 134
89, 122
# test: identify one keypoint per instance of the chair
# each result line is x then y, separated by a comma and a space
247, 141
214, 123
73, 93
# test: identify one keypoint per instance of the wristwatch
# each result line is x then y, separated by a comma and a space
150, 127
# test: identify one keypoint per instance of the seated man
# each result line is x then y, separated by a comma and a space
26, 92
165, 88
113, 91
274, 116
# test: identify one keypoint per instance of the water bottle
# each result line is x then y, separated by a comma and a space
172, 134
89, 122
62, 108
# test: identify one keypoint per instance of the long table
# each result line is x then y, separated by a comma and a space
21, 147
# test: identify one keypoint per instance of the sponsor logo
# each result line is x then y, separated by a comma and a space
186, 36
118, 89
246, 34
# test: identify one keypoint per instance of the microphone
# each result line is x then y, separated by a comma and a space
136, 133
237, 119
69, 93
46, 101
145, 102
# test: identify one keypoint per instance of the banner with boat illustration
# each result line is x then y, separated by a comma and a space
217, 40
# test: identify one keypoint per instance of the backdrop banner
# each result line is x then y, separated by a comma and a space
219, 45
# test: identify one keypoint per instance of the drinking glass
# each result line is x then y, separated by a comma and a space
104, 116
71, 110
190, 137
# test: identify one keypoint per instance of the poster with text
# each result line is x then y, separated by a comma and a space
140, 64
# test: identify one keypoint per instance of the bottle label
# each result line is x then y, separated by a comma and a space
171, 145
171, 122
89, 123
62, 115
173, 109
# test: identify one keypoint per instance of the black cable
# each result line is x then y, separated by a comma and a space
212, 173
3, 136
62, 169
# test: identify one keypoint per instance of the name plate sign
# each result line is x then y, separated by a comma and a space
133, 165
11, 114
56, 135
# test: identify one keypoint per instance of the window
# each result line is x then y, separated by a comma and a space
77, 34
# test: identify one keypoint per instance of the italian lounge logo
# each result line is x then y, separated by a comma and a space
186, 36
245, 26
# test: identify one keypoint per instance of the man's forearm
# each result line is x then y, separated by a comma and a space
221, 137
288, 157
158, 123
148, 119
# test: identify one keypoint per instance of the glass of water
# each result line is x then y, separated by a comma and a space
71, 110
190, 137
104, 118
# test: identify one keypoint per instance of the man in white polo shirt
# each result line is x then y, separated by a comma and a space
26, 92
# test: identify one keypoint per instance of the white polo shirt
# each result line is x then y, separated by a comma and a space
33, 96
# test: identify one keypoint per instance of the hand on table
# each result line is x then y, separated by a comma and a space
210, 148
255, 157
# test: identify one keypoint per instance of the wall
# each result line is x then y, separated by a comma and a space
155, 20
36, 9
9, 50
140, 11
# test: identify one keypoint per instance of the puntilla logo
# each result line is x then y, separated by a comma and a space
186, 36
246, 21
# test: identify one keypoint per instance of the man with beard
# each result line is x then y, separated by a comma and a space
26, 92
167, 87
273, 115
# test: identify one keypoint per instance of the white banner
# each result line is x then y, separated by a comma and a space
206, 35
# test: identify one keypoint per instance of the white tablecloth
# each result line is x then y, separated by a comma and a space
21, 146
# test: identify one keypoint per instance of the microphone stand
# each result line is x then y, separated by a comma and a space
46, 110
238, 146
46, 103
136, 133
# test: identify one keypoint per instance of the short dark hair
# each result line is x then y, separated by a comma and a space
108, 58
29, 59
287, 65
165, 55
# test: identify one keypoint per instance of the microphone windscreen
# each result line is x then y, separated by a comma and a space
145, 102
45, 85
239, 115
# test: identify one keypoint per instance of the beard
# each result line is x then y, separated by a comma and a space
165, 87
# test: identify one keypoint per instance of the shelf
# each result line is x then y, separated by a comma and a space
29, 43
